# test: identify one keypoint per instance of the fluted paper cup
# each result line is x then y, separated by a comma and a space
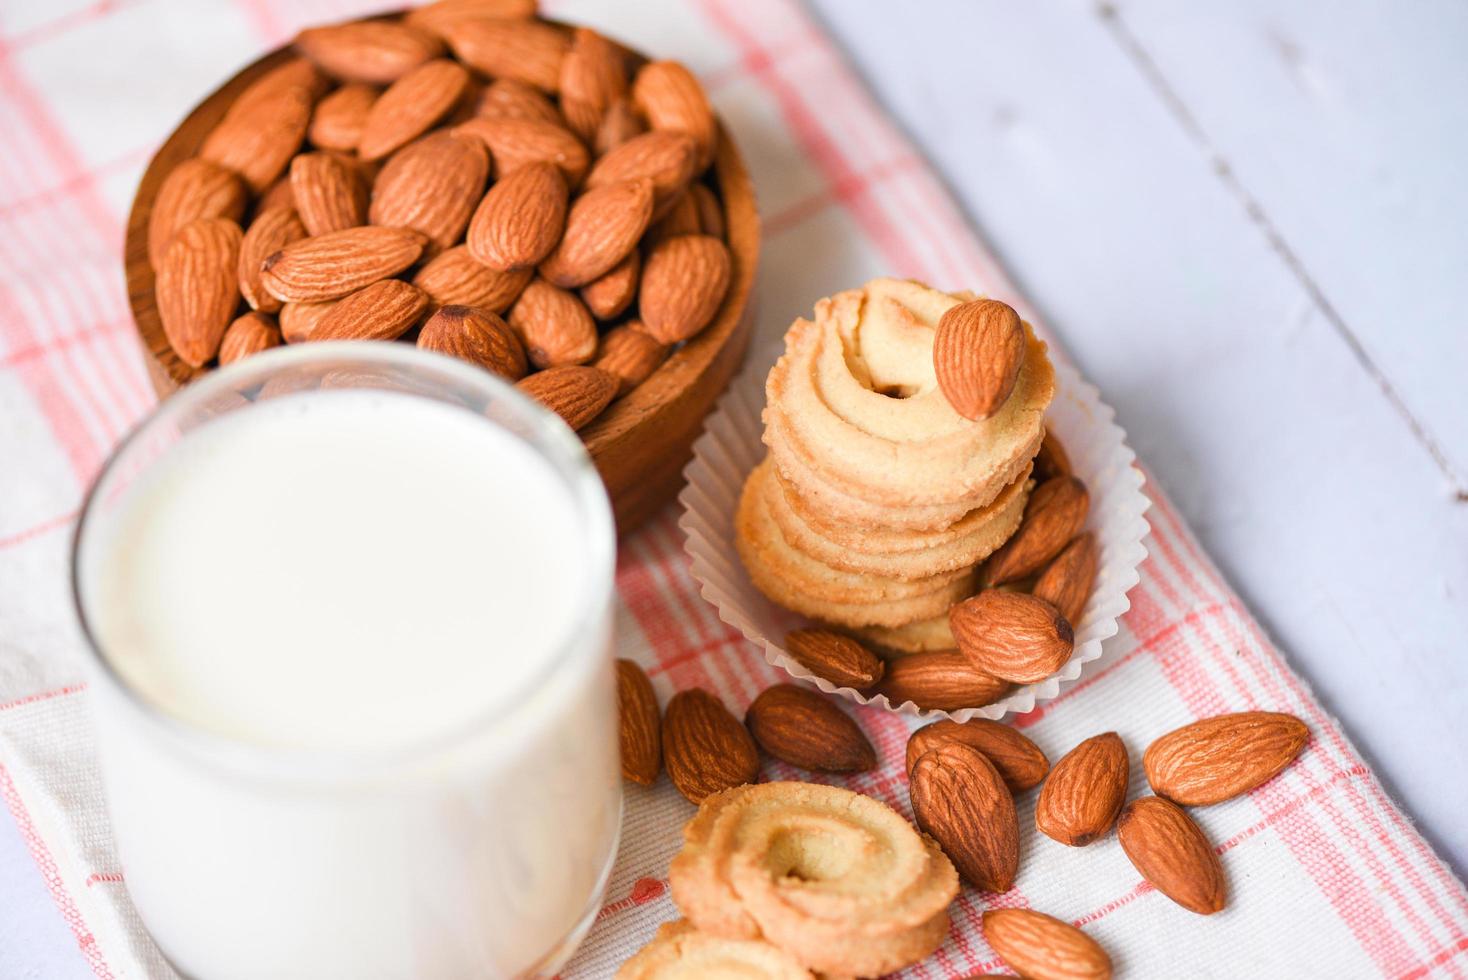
730, 448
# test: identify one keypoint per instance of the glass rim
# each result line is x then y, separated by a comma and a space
546, 434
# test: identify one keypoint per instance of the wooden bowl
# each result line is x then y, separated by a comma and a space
640, 444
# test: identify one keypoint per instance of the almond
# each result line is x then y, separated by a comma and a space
798, 726
513, 143
959, 799
257, 139
555, 326
1011, 635
298, 320
195, 188
248, 334
410, 106
603, 225
978, 350
1054, 514
520, 220
506, 98
671, 99
618, 125
382, 311
1066, 582
682, 218
374, 51
1041, 946
438, 17
665, 158
1218, 758
455, 278
630, 356
431, 186
277, 195
593, 76
1019, 762
939, 680
1171, 852
528, 51
638, 735
329, 194
710, 211
338, 120
683, 284
576, 394
611, 293
477, 336
197, 289
292, 75
1084, 792
836, 658
1052, 459
705, 748
330, 266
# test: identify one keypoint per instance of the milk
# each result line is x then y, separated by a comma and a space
377, 731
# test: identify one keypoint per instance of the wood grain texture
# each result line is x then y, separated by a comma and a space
641, 444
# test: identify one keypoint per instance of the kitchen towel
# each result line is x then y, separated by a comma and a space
1327, 877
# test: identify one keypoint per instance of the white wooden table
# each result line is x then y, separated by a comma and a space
1249, 221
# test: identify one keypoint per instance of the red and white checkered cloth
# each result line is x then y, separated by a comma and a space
1327, 877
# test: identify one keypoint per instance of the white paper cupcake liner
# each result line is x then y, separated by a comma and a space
730, 448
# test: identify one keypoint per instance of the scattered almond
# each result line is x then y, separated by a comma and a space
521, 219
593, 76
610, 294
684, 280
1042, 947
455, 278
1218, 758
577, 394
525, 50
978, 349
799, 726
329, 194
330, 266
705, 749
197, 287
374, 51
639, 736
959, 799
555, 326
514, 142
249, 334
384, 310
1066, 582
1084, 792
834, 657
410, 106
1172, 853
941, 680
1011, 635
667, 159
630, 356
431, 185
602, 226
1019, 762
670, 98
1054, 514
477, 336
339, 118
194, 189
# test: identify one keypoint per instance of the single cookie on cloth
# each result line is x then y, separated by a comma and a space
801, 583
838, 880
681, 951
856, 423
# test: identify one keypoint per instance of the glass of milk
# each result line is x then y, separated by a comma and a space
349, 611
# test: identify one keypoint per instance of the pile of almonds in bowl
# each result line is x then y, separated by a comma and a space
962, 782
530, 197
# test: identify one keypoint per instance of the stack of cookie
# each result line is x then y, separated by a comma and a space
879, 497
